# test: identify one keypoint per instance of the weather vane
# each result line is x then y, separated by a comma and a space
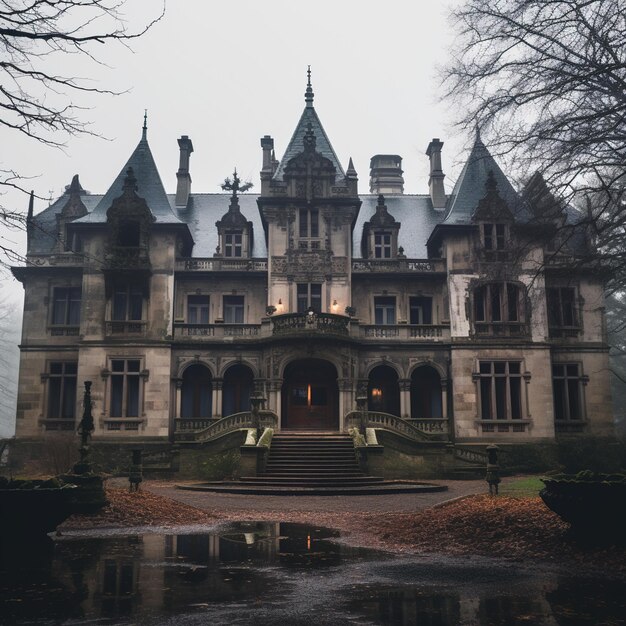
235, 185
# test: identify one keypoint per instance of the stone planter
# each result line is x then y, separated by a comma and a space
33, 507
591, 503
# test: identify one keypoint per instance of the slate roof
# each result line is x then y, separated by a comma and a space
322, 143
470, 188
416, 216
149, 186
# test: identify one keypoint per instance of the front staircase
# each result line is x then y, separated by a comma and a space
313, 464
313, 460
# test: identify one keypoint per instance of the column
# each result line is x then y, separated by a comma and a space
218, 383
274, 387
444, 398
345, 400
405, 397
178, 403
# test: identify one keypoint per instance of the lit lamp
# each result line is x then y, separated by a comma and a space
280, 307
335, 306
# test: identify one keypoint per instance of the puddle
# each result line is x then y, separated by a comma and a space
270, 573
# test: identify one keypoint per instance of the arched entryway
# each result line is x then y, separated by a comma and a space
426, 393
383, 390
237, 389
196, 392
310, 396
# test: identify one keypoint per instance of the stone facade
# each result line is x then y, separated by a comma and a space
453, 312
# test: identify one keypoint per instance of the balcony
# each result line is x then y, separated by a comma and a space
221, 264
406, 332
395, 266
495, 330
225, 332
125, 328
127, 258
318, 323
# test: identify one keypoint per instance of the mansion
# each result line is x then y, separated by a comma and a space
456, 314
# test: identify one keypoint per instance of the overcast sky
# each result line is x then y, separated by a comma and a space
227, 73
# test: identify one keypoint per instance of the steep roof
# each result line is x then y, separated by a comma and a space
470, 187
149, 187
416, 216
322, 143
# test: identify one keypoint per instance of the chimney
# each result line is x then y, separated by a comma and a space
267, 170
435, 180
386, 174
183, 186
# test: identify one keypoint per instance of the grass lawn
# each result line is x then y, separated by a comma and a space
523, 487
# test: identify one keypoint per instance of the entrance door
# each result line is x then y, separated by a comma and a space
310, 396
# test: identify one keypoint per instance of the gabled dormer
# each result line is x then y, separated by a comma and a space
494, 220
74, 208
234, 230
130, 220
380, 234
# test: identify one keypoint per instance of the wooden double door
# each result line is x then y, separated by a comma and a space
310, 398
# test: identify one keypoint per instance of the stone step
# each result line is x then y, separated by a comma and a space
323, 480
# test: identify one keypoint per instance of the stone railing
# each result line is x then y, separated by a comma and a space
219, 331
320, 323
221, 264
406, 332
223, 426
135, 327
423, 266
60, 258
127, 257
413, 429
470, 455
501, 329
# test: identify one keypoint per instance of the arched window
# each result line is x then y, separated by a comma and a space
426, 394
499, 309
196, 392
383, 390
238, 383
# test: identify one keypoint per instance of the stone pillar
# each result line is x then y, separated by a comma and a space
274, 387
218, 384
178, 404
345, 400
405, 397
444, 398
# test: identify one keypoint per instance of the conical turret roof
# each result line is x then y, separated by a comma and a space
470, 187
322, 143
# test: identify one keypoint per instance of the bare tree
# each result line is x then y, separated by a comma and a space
545, 81
36, 98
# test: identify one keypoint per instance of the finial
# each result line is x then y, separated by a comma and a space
144, 134
351, 172
31, 206
308, 94
130, 182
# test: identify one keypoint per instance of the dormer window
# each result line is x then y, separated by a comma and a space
382, 245
233, 243
128, 235
494, 236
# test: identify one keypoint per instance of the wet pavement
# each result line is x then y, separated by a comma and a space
276, 573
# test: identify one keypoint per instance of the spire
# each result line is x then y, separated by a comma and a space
351, 172
31, 206
144, 133
308, 94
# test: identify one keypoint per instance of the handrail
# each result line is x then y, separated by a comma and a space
470, 455
225, 425
323, 323
393, 423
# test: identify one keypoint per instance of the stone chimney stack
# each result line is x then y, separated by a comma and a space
267, 170
183, 186
386, 174
435, 180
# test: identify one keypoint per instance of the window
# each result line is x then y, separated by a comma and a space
233, 309
382, 245
567, 390
420, 310
197, 309
128, 234
127, 303
500, 390
62, 390
562, 307
233, 243
66, 306
309, 223
494, 236
125, 387
498, 309
309, 295
384, 310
